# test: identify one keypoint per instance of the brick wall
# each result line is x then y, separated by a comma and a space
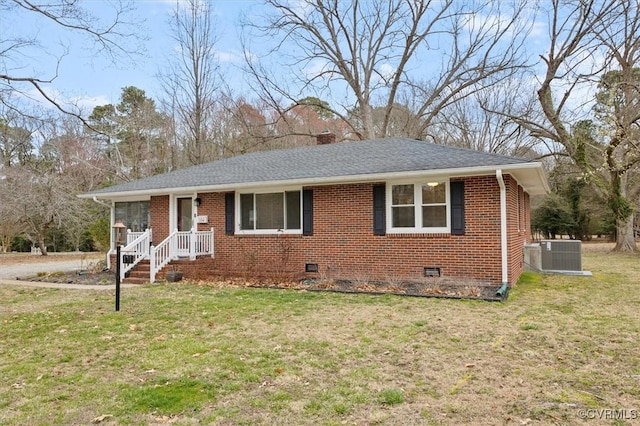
343, 244
159, 210
518, 227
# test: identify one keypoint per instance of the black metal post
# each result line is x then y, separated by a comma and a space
117, 277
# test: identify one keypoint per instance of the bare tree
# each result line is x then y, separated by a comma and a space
301, 122
594, 45
21, 46
434, 52
9, 222
9, 227
190, 79
618, 110
38, 194
16, 145
41, 201
473, 124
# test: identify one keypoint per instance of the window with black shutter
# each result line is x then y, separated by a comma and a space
457, 208
229, 213
379, 225
307, 212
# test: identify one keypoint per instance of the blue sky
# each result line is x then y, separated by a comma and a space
91, 80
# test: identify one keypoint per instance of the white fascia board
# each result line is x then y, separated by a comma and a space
123, 197
329, 180
534, 181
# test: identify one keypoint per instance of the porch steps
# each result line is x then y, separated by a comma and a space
141, 274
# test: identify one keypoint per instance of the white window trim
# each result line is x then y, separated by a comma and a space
238, 212
417, 197
173, 209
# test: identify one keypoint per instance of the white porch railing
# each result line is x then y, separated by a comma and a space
137, 248
179, 244
161, 255
133, 235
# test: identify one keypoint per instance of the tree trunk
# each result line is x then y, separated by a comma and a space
625, 238
5, 243
622, 210
367, 121
43, 247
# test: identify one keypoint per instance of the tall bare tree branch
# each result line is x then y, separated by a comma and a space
378, 52
110, 35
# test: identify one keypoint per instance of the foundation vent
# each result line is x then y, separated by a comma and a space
431, 271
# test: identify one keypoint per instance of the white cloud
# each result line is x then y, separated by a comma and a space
315, 68
482, 23
230, 56
84, 104
300, 7
387, 70
539, 29
88, 103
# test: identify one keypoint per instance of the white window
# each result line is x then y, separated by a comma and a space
133, 214
421, 207
268, 212
403, 206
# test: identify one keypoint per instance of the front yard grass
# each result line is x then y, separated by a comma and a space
187, 354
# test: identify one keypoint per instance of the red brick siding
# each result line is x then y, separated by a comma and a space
159, 208
518, 228
343, 244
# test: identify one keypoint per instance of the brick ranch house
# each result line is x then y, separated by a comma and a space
381, 208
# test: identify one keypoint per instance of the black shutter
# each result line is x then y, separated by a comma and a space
229, 213
457, 208
379, 226
307, 212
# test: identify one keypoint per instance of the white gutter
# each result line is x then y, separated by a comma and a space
503, 232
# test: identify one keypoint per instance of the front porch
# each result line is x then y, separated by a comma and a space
140, 251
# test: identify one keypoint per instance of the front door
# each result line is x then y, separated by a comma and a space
185, 221
185, 214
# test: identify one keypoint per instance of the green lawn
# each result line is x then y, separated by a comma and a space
187, 354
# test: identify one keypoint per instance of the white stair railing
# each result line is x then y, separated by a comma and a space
180, 243
136, 250
162, 254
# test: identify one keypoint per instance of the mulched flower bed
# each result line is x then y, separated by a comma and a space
437, 287
82, 278
442, 288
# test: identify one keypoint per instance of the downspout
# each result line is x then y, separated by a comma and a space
110, 233
503, 234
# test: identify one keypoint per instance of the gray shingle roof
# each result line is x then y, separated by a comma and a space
371, 157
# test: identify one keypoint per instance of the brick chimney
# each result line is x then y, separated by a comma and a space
325, 138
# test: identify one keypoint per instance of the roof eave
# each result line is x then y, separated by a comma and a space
541, 188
